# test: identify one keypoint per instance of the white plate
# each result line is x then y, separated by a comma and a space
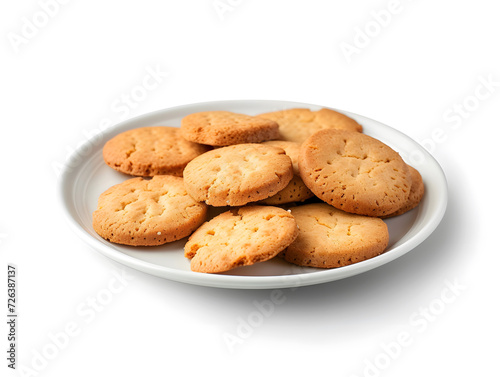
86, 176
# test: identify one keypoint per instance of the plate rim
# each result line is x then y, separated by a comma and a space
238, 281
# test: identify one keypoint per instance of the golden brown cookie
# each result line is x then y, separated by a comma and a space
150, 151
354, 172
142, 212
330, 238
298, 124
238, 174
416, 193
240, 237
222, 128
296, 190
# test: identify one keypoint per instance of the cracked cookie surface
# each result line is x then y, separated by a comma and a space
150, 151
354, 172
298, 124
238, 174
330, 238
240, 237
222, 128
140, 212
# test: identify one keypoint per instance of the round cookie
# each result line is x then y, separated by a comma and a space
150, 151
240, 237
141, 212
416, 193
354, 172
330, 238
296, 190
222, 128
298, 124
238, 174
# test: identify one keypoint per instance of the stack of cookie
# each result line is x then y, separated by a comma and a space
306, 185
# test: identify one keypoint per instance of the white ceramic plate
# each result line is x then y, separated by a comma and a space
86, 176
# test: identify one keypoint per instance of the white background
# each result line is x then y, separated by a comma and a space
61, 79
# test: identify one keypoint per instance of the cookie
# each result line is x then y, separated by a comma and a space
150, 151
222, 128
296, 190
354, 172
416, 193
140, 212
298, 124
238, 174
240, 237
330, 238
